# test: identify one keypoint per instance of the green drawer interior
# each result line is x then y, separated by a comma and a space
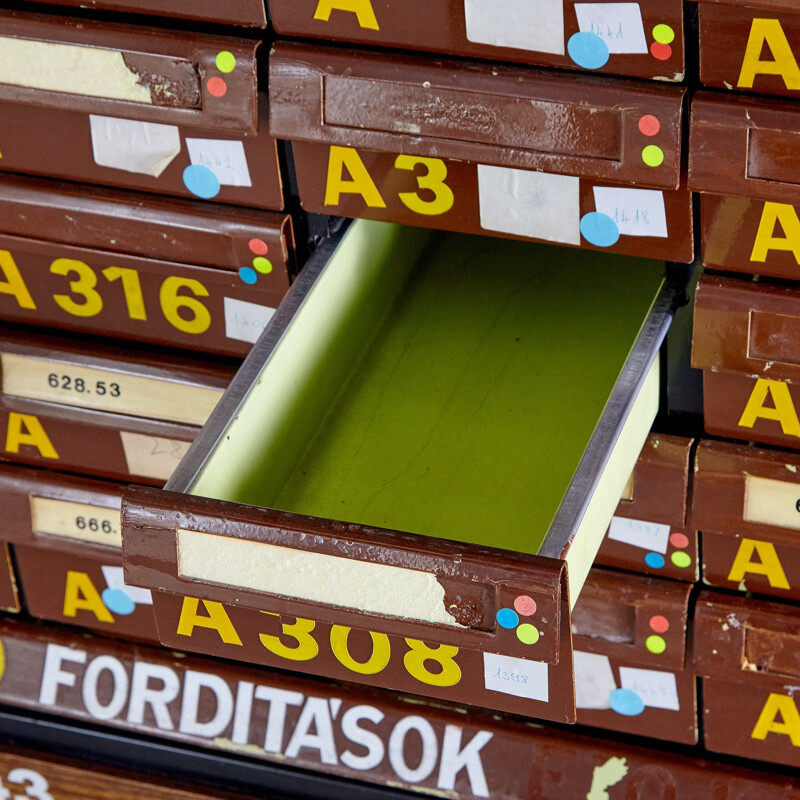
440, 384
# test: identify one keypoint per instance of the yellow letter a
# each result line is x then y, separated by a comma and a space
25, 429
768, 564
766, 240
14, 284
81, 594
783, 412
361, 8
217, 620
361, 183
783, 63
778, 704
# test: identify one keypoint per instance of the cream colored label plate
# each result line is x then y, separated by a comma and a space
104, 390
152, 456
627, 492
76, 521
772, 502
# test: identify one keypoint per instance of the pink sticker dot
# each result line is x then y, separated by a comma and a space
525, 606
217, 87
663, 52
679, 540
659, 624
258, 246
649, 125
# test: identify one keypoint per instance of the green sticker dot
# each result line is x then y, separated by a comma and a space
656, 644
262, 265
226, 61
527, 634
653, 155
663, 34
681, 559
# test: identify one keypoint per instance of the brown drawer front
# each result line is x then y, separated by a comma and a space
45, 435
631, 668
628, 132
751, 409
146, 74
746, 327
250, 13
752, 722
144, 300
750, 49
32, 772
223, 165
759, 237
471, 756
651, 548
744, 146
643, 41
82, 585
470, 197
746, 504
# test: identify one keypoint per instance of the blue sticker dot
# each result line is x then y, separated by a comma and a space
654, 560
507, 618
201, 181
599, 229
118, 601
248, 275
587, 50
626, 702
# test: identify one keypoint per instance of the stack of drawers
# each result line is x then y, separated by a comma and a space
144, 224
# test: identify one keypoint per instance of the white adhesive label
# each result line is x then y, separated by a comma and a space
619, 25
594, 680
104, 390
146, 148
516, 676
772, 502
524, 25
245, 321
657, 689
532, 204
226, 159
637, 212
650, 536
152, 456
81, 521
115, 580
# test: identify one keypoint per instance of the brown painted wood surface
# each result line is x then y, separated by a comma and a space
440, 27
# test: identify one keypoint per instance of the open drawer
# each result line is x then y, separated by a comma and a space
750, 45
490, 413
475, 147
641, 40
250, 13
141, 108
166, 272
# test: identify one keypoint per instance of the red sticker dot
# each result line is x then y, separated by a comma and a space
659, 624
679, 540
525, 606
663, 52
649, 125
258, 246
217, 87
